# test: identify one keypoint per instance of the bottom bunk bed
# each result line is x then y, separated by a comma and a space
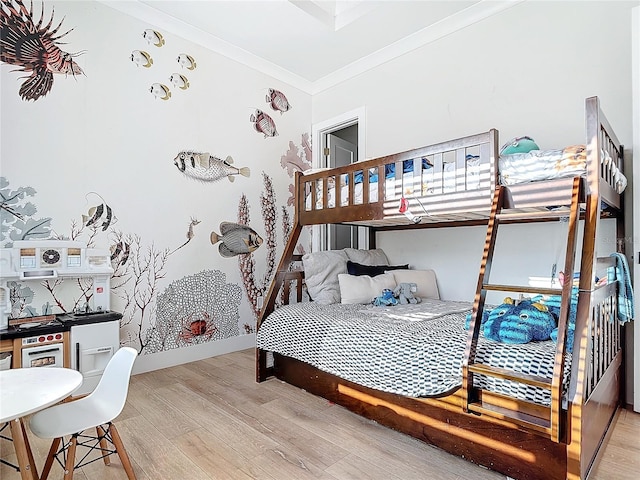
401, 366
536, 411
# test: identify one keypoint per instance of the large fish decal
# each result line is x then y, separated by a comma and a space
33, 48
205, 167
263, 123
236, 239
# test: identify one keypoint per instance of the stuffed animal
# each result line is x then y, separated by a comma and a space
386, 299
404, 293
519, 145
552, 302
519, 323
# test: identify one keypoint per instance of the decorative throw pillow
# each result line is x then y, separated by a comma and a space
363, 289
424, 279
354, 268
367, 257
321, 270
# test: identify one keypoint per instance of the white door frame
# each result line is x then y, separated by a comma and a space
318, 130
635, 255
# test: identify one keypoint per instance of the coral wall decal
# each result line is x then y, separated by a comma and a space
17, 215
193, 310
254, 288
297, 159
137, 283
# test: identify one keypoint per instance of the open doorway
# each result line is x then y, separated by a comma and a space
341, 142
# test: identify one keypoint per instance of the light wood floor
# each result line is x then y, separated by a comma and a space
210, 420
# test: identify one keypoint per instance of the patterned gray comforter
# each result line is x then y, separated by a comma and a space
411, 350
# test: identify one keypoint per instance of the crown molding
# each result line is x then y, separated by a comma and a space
453, 23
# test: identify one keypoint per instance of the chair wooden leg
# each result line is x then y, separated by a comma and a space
103, 444
122, 453
71, 458
50, 458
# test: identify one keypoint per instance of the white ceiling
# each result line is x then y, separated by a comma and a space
311, 44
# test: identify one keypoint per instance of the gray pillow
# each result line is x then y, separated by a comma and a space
367, 257
321, 270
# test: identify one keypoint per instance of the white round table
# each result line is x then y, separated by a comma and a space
26, 390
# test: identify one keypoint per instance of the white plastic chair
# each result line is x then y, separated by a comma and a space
96, 410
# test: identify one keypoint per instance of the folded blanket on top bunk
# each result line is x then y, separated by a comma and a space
413, 350
549, 164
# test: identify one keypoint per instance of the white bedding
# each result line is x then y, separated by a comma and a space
549, 164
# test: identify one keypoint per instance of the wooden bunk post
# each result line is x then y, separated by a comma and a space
587, 415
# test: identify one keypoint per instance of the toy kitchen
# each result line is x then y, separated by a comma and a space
84, 338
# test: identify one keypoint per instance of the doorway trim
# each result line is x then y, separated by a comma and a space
318, 132
635, 243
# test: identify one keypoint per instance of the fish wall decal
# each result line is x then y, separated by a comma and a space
179, 81
153, 37
263, 123
186, 61
160, 91
236, 239
33, 48
205, 167
278, 101
141, 58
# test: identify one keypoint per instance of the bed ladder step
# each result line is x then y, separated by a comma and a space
522, 289
540, 425
502, 373
532, 215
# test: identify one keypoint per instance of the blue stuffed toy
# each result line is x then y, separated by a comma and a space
519, 145
386, 299
552, 302
523, 322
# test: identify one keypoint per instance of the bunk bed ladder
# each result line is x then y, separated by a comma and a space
544, 420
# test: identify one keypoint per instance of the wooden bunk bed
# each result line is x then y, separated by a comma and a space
518, 438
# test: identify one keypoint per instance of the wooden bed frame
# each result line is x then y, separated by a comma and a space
517, 438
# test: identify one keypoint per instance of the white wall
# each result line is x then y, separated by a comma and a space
104, 132
524, 71
635, 244
455, 254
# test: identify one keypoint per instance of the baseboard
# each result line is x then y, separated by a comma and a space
178, 356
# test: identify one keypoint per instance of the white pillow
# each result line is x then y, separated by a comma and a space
424, 279
363, 288
321, 270
367, 257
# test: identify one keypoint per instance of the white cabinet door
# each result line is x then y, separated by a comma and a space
92, 346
